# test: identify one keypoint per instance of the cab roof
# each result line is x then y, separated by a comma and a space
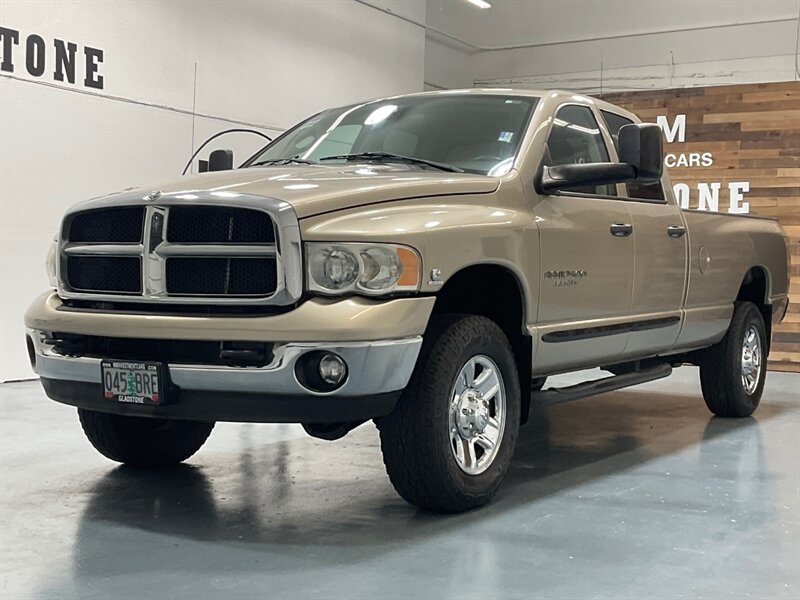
559, 96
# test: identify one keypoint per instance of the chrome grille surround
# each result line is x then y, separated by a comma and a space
154, 249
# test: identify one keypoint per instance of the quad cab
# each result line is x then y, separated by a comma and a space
423, 261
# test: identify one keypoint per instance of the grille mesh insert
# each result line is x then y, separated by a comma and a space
220, 276
219, 225
108, 225
121, 274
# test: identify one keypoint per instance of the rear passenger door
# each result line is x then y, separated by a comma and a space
660, 246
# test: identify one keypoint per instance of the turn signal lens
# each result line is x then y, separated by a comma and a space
409, 261
370, 269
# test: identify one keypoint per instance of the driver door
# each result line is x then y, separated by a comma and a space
586, 256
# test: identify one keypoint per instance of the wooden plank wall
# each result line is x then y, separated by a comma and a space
753, 134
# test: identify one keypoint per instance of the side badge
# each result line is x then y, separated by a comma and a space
436, 277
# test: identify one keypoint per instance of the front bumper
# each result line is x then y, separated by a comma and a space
378, 371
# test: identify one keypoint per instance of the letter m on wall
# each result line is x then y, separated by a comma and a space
678, 128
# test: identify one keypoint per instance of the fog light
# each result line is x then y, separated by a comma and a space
332, 369
321, 371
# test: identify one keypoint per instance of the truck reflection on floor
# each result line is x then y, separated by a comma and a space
309, 496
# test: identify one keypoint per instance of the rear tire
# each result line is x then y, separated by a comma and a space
142, 442
450, 440
733, 372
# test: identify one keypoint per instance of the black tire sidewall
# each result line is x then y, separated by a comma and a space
494, 345
139, 441
747, 315
721, 368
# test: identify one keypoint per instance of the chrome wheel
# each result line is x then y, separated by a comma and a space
477, 414
751, 359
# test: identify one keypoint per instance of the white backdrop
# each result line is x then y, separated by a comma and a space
262, 63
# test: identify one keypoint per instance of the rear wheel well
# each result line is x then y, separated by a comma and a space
493, 291
754, 289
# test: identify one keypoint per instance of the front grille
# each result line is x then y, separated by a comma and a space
108, 225
221, 276
172, 252
200, 352
219, 225
120, 274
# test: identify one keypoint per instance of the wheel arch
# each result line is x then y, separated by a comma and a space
755, 287
504, 301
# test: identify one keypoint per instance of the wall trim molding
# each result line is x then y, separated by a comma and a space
630, 35
665, 75
126, 100
444, 37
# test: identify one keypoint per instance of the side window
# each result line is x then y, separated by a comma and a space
576, 138
646, 191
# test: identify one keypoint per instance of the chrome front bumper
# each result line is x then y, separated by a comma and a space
374, 367
378, 370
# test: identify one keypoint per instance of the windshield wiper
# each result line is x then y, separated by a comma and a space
389, 157
292, 160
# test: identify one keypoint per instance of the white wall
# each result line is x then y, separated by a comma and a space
591, 46
447, 66
265, 64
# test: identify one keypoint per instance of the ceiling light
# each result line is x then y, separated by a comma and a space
480, 3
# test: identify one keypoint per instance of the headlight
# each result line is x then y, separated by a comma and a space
370, 269
50, 263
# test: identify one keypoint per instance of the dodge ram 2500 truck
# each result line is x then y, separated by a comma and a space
425, 261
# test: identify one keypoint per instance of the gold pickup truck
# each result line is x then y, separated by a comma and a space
425, 261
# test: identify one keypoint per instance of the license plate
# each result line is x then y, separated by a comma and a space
133, 382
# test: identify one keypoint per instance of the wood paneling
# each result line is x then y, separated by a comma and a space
753, 133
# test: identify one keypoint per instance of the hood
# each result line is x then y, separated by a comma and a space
315, 189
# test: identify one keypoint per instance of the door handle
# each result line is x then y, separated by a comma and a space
621, 229
676, 231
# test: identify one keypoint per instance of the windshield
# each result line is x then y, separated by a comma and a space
474, 133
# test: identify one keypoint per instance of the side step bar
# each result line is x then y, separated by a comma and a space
600, 386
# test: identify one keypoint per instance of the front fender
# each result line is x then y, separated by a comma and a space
450, 234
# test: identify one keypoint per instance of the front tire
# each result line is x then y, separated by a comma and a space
142, 442
733, 372
450, 440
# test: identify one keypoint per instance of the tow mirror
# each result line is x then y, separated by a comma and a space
218, 160
640, 146
640, 159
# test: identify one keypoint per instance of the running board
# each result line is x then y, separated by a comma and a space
600, 386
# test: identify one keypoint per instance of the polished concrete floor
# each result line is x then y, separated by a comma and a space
637, 493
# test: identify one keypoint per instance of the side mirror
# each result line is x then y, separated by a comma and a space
640, 159
640, 145
220, 160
